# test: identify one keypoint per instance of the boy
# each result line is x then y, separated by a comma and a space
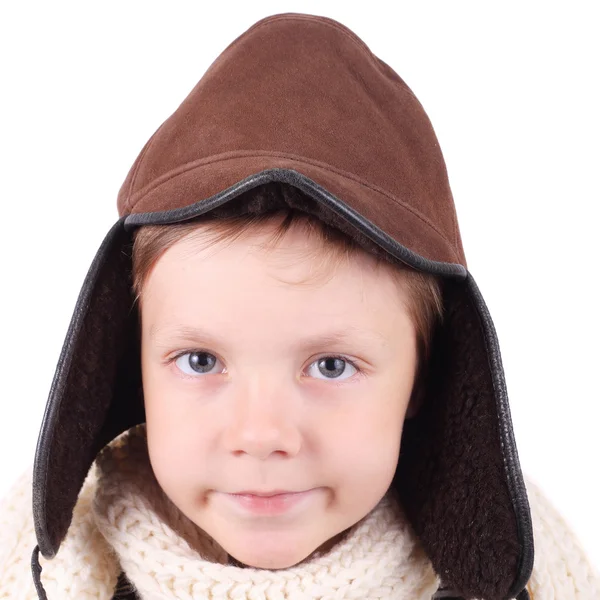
317, 414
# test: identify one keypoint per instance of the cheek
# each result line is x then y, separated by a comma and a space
170, 421
377, 417
365, 439
176, 447
178, 466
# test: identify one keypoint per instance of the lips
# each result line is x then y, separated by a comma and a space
269, 503
264, 494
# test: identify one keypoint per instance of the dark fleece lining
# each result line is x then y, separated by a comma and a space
96, 391
450, 477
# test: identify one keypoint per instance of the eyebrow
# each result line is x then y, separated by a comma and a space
197, 335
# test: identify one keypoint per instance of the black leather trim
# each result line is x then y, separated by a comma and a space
36, 572
315, 191
514, 475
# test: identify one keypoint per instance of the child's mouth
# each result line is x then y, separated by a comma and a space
273, 504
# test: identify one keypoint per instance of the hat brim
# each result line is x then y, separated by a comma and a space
458, 474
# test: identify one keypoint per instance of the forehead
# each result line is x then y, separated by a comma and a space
240, 282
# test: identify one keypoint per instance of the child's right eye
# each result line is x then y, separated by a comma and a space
199, 362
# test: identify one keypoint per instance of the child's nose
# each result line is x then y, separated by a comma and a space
262, 422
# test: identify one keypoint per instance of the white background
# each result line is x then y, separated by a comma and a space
512, 89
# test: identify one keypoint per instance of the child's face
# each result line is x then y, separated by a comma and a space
253, 407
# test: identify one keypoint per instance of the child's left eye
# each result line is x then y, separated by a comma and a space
335, 364
202, 362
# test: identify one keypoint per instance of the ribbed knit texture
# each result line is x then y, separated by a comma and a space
124, 520
85, 567
562, 570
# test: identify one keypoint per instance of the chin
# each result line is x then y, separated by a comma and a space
276, 557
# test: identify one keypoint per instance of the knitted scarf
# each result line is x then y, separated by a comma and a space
166, 556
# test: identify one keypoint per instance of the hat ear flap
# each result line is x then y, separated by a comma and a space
458, 475
96, 390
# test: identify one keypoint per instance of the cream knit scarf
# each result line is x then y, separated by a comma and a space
167, 557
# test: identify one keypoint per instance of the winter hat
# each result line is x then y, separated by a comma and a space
298, 104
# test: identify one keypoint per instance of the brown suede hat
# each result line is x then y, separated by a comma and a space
298, 112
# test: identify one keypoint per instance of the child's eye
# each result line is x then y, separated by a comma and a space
198, 363
201, 363
331, 366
